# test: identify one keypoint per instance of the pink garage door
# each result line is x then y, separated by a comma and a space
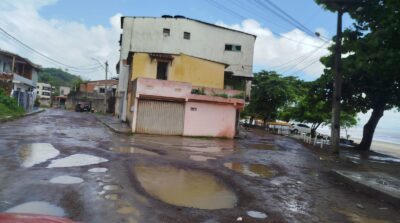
160, 117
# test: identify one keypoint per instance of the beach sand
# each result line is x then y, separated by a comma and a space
391, 149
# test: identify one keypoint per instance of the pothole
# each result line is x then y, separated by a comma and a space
37, 207
188, 188
201, 158
76, 160
133, 150
253, 170
111, 187
256, 214
65, 179
98, 170
35, 153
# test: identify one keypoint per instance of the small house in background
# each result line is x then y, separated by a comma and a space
44, 92
181, 76
99, 95
18, 78
60, 100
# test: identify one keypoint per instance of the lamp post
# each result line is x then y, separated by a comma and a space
105, 83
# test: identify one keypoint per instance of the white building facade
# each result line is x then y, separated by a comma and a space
180, 35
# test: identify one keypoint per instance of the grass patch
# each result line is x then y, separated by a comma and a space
9, 107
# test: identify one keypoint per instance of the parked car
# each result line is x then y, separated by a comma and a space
83, 107
300, 128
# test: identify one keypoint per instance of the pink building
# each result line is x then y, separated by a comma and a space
169, 108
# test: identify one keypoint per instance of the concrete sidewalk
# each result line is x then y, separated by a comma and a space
114, 124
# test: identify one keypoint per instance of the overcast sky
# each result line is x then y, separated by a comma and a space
79, 33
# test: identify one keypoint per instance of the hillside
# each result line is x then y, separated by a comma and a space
57, 77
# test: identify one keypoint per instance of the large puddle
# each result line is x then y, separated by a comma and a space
188, 188
133, 150
35, 153
37, 207
65, 179
76, 160
201, 158
253, 170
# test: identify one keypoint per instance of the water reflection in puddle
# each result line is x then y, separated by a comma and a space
256, 214
76, 160
112, 187
37, 207
210, 149
201, 158
187, 188
112, 197
35, 153
253, 170
98, 170
66, 180
133, 150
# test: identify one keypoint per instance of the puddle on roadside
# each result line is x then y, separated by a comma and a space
210, 149
133, 150
98, 170
112, 197
201, 158
188, 188
65, 179
37, 207
355, 218
128, 210
252, 170
257, 214
35, 153
76, 160
111, 187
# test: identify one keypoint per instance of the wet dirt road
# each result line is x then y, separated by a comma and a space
68, 164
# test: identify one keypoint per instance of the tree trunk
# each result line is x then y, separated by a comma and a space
369, 128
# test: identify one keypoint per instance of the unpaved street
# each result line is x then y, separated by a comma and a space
69, 164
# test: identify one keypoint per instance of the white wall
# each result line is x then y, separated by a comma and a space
39, 88
206, 41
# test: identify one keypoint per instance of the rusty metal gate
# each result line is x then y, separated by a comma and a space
160, 117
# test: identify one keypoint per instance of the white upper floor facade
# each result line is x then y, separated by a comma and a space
176, 35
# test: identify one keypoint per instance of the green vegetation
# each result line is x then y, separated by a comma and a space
223, 95
9, 107
57, 77
198, 91
371, 79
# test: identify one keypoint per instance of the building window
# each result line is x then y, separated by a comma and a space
102, 90
231, 47
186, 35
162, 70
62, 92
166, 32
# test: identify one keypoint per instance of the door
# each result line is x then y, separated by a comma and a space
160, 117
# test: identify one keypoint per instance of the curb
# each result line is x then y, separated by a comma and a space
112, 128
365, 189
22, 116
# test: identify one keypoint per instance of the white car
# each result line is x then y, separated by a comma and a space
300, 128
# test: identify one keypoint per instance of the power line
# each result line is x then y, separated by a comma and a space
231, 12
5, 33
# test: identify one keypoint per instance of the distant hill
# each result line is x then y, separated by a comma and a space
57, 77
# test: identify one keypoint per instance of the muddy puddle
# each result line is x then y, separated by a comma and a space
76, 160
98, 170
111, 187
37, 207
35, 153
112, 197
201, 158
253, 170
210, 149
65, 179
133, 150
188, 188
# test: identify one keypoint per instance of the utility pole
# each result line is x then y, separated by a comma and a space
337, 86
105, 88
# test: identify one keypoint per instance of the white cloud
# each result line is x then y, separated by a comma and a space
69, 42
272, 51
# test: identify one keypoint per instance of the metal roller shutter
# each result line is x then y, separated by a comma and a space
160, 117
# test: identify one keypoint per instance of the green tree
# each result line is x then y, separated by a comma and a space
271, 92
370, 71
